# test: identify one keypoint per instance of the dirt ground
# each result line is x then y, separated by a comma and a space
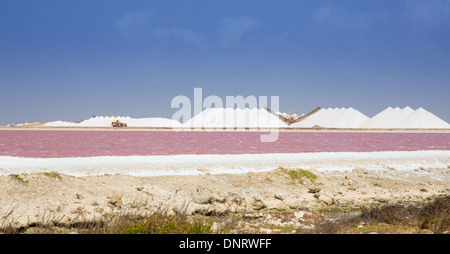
31, 198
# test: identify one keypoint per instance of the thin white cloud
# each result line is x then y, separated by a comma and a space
139, 26
233, 29
428, 12
343, 19
187, 35
133, 24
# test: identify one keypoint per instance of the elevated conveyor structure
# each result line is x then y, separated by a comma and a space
292, 119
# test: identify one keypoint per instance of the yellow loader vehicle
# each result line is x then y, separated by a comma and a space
117, 123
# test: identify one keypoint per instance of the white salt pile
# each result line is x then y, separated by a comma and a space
224, 118
406, 118
422, 119
388, 118
234, 118
105, 121
131, 122
333, 118
61, 124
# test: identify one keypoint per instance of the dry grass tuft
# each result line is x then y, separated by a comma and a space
433, 216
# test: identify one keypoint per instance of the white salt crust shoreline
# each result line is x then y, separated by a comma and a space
166, 165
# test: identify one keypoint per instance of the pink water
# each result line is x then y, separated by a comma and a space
49, 143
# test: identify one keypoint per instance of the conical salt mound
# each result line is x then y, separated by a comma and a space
406, 118
422, 119
401, 115
388, 118
333, 118
234, 118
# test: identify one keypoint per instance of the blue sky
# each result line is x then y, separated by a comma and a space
67, 60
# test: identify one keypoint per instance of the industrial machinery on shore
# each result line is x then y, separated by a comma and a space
292, 118
117, 123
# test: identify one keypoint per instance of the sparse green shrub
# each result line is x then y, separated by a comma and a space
390, 214
299, 174
19, 178
433, 216
167, 224
53, 174
436, 215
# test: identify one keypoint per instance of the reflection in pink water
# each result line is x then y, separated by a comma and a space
49, 143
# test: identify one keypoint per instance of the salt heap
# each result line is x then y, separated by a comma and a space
333, 118
152, 122
388, 118
406, 118
423, 119
101, 121
61, 124
234, 118
105, 121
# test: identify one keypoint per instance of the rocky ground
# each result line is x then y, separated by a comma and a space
282, 197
